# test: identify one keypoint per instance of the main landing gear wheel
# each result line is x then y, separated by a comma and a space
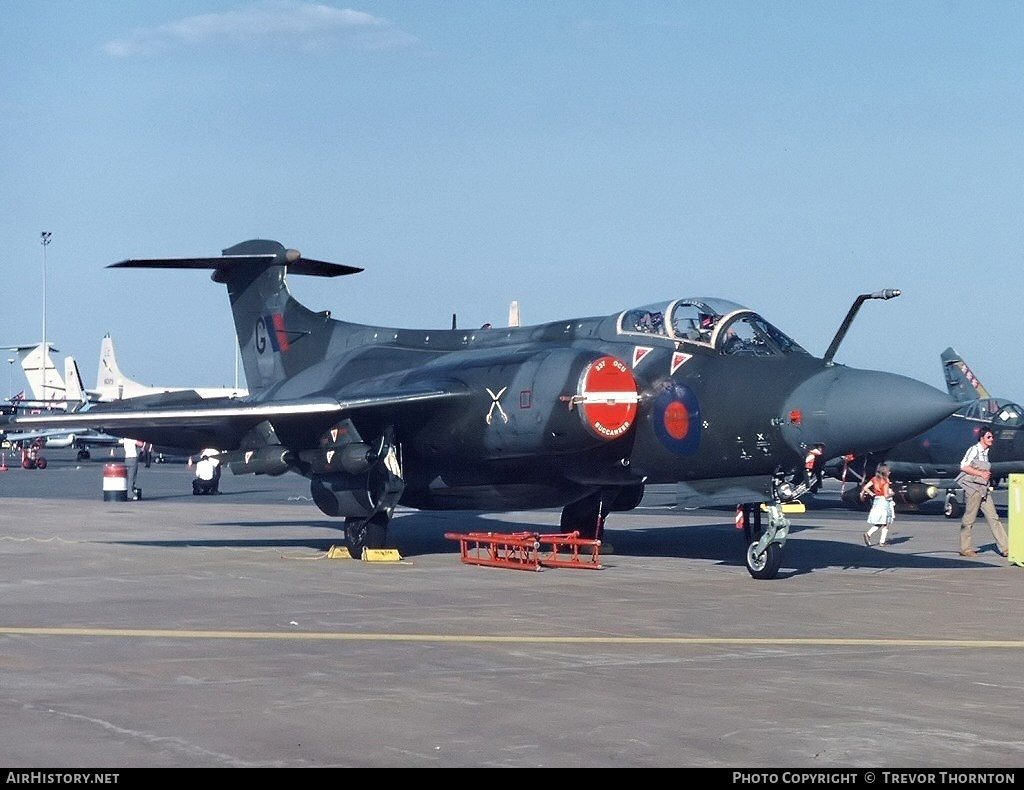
765, 565
366, 533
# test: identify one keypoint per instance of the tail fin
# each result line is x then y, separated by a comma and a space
110, 379
111, 382
277, 336
43, 379
513, 313
73, 384
961, 382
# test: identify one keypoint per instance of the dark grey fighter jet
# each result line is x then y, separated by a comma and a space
578, 414
926, 465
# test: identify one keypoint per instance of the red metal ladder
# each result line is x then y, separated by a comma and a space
528, 551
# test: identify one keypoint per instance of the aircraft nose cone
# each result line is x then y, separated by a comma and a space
860, 411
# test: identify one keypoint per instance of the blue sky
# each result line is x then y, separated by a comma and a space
580, 157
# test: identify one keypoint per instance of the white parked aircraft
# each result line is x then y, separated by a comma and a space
44, 381
51, 392
112, 384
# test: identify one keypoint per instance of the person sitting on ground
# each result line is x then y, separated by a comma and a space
207, 479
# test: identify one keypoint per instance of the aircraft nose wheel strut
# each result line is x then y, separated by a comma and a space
953, 507
764, 555
764, 552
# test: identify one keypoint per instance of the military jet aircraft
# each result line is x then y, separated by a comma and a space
925, 466
578, 414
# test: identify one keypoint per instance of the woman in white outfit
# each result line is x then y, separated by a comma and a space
882, 512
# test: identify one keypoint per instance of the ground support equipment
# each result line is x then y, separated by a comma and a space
529, 551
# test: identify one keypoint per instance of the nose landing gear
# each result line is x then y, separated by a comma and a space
764, 552
954, 505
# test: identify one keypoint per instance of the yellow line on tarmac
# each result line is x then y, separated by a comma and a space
159, 633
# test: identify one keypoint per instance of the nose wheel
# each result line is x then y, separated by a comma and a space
764, 552
764, 563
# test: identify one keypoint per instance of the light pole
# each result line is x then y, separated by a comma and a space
44, 238
10, 379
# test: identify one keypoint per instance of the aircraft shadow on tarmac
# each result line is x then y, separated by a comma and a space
806, 554
319, 544
719, 540
422, 533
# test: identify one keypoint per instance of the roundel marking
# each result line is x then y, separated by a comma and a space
608, 397
676, 419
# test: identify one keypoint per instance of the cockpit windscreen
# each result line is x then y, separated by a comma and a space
726, 326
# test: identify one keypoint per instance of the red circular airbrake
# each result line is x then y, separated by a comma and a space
608, 397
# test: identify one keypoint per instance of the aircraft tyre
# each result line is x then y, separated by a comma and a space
953, 508
765, 566
83, 455
368, 533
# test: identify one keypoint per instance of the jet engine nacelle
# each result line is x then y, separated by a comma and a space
554, 401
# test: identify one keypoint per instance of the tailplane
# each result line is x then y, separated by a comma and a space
277, 336
961, 382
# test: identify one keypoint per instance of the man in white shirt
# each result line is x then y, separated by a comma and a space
207, 479
977, 495
131, 460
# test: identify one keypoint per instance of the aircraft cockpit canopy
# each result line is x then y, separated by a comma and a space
1001, 413
725, 326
